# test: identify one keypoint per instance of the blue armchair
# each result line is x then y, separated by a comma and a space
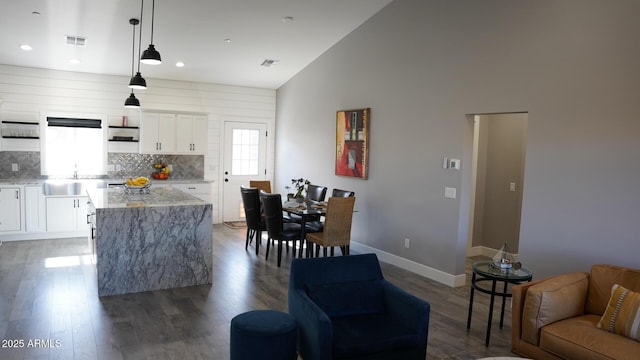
345, 309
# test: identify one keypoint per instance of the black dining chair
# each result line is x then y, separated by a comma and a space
314, 193
277, 229
253, 216
342, 193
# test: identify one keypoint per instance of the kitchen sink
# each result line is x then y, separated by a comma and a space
69, 187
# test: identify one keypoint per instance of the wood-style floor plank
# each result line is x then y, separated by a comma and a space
59, 304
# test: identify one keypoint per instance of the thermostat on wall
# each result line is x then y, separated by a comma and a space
454, 164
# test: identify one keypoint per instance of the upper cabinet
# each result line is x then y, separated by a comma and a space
158, 133
166, 133
191, 131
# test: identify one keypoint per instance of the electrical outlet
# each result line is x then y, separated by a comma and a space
407, 243
14, 167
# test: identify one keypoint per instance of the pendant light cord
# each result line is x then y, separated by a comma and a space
153, 15
133, 49
140, 38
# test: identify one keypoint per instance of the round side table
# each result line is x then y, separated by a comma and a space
485, 271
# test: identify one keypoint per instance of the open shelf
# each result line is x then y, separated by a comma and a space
19, 122
123, 127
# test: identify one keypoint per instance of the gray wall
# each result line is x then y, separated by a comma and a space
422, 66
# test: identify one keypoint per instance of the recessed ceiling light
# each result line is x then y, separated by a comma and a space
26, 47
228, 41
179, 64
74, 61
287, 18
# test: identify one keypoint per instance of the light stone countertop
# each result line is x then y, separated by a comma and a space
118, 198
9, 182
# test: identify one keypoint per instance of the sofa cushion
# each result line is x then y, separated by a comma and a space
368, 334
579, 338
364, 297
602, 279
622, 315
557, 298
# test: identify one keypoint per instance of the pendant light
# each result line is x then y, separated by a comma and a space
131, 101
151, 56
138, 82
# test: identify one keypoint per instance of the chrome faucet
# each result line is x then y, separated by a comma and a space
75, 173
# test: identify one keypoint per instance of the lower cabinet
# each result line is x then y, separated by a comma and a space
200, 190
35, 209
67, 213
10, 209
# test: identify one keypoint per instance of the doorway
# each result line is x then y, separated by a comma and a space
244, 159
497, 182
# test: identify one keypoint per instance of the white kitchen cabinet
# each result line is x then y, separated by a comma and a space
158, 133
66, 213
35, 209
10, 209
191, 131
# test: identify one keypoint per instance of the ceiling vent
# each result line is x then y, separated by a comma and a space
78, 41
269, 62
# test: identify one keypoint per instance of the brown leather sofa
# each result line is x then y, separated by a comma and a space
557, 317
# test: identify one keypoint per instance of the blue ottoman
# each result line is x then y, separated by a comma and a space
264, 335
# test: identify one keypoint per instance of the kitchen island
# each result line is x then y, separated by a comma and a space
150, 241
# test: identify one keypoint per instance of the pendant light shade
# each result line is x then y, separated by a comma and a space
151, 56
138, 82
132, 101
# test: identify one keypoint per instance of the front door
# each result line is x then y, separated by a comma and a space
245, 147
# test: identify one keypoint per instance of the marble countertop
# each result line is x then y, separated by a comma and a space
117, 198
8, 182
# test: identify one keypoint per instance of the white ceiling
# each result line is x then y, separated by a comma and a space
191, 31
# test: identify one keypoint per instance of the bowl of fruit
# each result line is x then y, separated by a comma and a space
161, 171
140, 183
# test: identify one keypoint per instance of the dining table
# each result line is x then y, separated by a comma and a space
306, 212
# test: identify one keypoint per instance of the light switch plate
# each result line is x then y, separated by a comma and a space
454, 164
449, 192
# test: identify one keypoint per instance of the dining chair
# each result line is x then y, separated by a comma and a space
342, 193
253, 216
277, 229
264, 185
316, 192
337, 227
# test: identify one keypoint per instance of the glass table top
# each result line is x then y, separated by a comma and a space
488, 269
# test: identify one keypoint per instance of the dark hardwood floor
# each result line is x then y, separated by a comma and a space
49, 308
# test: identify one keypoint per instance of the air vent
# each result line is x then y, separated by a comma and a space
78, 41
269, 62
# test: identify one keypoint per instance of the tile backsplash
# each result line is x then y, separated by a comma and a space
185, 167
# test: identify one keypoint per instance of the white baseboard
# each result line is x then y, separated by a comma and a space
426, 271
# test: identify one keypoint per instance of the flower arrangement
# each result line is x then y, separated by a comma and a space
299, 186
